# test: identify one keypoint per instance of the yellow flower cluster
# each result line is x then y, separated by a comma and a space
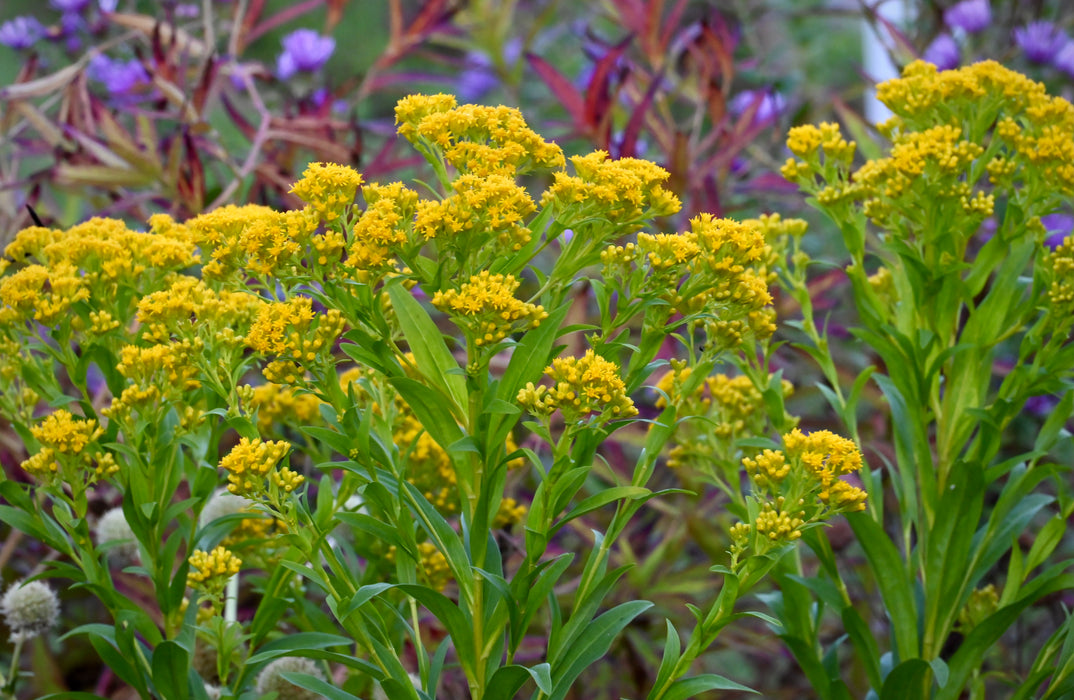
276, 403
218, 233
486, 309
580, 387
328, 188
276, 244
474, 138
187, 305
717, 271
1060, 268
68, 453
622, 190
296, 334
210, 571
250, 462
383, 228
950, 128
827, 456
797, 487
486, 213
42, 294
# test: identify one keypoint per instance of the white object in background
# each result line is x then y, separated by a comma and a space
877, 47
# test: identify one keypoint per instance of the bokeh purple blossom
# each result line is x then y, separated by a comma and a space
943, 52
304, 50
969, 15
120, 78
1040, 41
21, 32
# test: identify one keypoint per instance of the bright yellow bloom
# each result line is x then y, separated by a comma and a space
483, 213
249, 464
476, 139
328, 188
580, 387
622, 190
210, 571
487, 309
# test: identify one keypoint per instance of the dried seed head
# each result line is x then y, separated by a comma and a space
113, 527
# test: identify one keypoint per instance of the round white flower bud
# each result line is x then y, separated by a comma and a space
113, 527
221, 504
29, 609
270, 680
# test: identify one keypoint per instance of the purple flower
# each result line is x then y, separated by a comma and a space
969, 15
477, 79
21, 32
66, 6
120, 78
1059, 226
1064, 59
108, 6
768, 105
943, 52
303, 50
1040, 41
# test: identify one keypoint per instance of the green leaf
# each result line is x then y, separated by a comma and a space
434, 360
457, 623
431, 408
601, 499
170, 671
864, 644
906, 681
592, 644
894, 584
325, 690
302, 641
685, 688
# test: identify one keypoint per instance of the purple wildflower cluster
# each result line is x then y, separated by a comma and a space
1041, 42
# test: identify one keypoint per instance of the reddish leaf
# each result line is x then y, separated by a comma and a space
560, 87
597, 93
628, 147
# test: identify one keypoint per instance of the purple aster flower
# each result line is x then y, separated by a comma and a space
943, 52
477, 79
303, 50
21, 32
108, 6
120, 78
1040, 41
66, 6
1059, 226
768, 105
969, 15
1064, 60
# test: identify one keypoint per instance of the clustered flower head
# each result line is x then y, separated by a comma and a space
252, 463
486, 309
796, 487
69, 453
210, 571
623, 190
944, 124
29, 609
295, 334
476, 139
383, 229
581, 387
483, 216
329, 189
